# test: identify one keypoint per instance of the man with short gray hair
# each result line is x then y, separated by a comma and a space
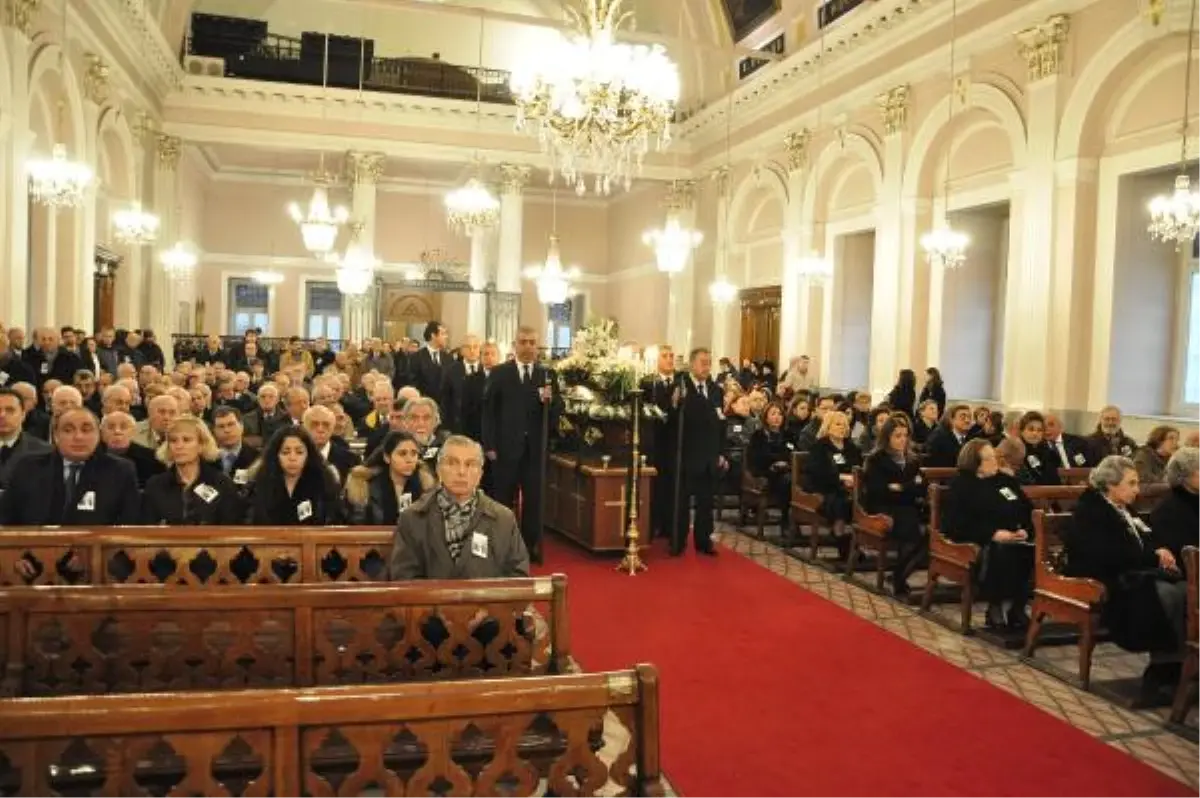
457, 531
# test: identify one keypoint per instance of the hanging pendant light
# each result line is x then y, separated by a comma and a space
944, 246
1175, 217
58, 181
553, 281
134, 226
673, 243
721, 291
179, 262
356, 269
472, 206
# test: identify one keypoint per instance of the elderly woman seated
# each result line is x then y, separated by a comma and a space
829, 473
1151, 459
985, 505
1145, 597
1176, 520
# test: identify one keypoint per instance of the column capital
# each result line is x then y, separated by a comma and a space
514, 178
19, 14
680, 195
95, 79
721, 176
1041, 46
797, 144
169, 149
893, 107
364, 167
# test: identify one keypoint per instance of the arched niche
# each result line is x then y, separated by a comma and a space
756, 220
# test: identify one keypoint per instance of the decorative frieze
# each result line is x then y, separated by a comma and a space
19, 14
797, 143
364, 167
169, 150
893, 107
1041, 46
95, 79
514, 178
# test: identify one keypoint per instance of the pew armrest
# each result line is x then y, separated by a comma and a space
875, 525
963, 554
806, 501
1079, 591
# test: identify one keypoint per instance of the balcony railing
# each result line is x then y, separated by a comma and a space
286, 59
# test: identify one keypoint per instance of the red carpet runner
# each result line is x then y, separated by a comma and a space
768, 689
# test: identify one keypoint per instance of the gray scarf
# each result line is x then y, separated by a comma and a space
456, 518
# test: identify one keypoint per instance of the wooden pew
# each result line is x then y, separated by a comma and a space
868, 532
1185, 694
948, 560
1074, 476
492, 737
806, 509
195, 556
1066, 599
143, 638
938, 476
754, 496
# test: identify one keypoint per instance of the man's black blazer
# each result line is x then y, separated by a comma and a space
107, 493
427, 376
512, 412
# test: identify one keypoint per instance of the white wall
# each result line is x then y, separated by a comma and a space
971, 310
854, 264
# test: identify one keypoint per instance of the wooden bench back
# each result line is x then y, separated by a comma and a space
1074, 476
1051, 498
1191, 567
938, 476
1049, 531
195, 557
104, 639
449, 738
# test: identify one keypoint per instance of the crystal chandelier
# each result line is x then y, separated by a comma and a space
471, 207
356, 269
134, 226
552, 280
319, 225
673, 243
58, 182
597, 104
814, 268
722, 292
179, 262
1176, 217
944, 246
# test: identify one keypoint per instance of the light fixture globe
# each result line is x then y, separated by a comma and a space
354, 282
134, 226
179, 262
552, 280
57, 181
722, 292
673, 244
597, 105
472, 207
946, 247
814, 268
319, 224
1176, 217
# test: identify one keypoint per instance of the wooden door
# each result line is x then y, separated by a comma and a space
106, 263
760, 309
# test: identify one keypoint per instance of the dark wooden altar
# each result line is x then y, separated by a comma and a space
587, 502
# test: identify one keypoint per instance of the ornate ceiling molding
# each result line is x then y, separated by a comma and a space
155, 51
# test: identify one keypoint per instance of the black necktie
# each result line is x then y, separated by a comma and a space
525, 376
6, 453
704, 389
71, 484
437, 361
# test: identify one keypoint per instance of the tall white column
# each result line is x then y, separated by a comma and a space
505, 309
478, 278
1037, 283
16, 144
131, 278
794, 291
83, 259
162, 287
721, 312
364, 170
892, 283
681, 288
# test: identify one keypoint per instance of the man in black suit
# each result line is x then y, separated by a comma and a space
319, 421
235, 456
515, 399
463, 404
49, 360
1072, 450
105, 351
77, 485
37, 420
657, 389
945, 442
12, 368
696, 414
116, 431
15, 443
427, 368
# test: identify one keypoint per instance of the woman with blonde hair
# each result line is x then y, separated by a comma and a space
193, 491
829, 472
392, 479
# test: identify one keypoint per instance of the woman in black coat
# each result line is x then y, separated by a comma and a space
1175, 522
925, 422
934, 390
903, 396
193, 491
1041, 462
388, 483
1145, 595
986, 505
893, 487
829, 472
291, 484
769, 456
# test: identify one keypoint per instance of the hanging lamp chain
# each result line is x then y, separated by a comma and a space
953, 95
1187, 91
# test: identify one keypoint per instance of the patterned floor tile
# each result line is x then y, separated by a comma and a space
1138, 733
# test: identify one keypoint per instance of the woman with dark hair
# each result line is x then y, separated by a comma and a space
1041, 463
934, 390
904, 395
829, 472
985, 505
769, 456
392, 478
893, 487
1151, 459
992, 427
875, 421
799, 416
291, 484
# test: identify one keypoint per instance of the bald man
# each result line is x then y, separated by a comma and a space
64, 398
162, 410
320, 422
116, 433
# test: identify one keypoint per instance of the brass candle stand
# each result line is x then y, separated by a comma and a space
631, 563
